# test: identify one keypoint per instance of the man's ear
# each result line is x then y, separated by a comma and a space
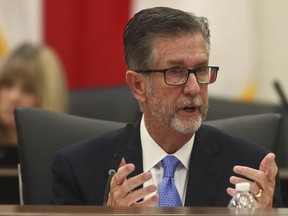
137, 83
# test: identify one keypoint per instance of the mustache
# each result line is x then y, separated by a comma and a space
195, 101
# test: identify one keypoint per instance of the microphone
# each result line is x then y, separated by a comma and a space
118, 155
281, 94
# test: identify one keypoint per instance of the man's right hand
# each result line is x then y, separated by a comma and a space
122, 191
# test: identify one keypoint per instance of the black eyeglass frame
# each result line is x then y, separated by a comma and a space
215, 69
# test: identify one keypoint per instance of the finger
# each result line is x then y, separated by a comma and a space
133, 182
231, 191
122, 163
136, 195
234, 180
149, 201
269, 167
253, 174
255, 188
122, 174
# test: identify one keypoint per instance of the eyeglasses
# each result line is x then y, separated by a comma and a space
179, 76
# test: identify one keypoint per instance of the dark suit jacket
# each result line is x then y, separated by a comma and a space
80, 171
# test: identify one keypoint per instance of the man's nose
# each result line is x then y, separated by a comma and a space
192, 86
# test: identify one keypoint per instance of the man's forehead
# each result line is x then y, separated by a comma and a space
182, 50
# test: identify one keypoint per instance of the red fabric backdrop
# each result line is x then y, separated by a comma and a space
88, 35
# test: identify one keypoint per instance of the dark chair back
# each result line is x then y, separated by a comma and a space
40, 134
262, 129
282, 145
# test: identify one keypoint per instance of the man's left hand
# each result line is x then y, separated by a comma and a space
263, 180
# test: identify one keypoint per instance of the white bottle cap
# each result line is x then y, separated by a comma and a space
242, 186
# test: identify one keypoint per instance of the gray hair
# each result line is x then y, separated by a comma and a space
148, 25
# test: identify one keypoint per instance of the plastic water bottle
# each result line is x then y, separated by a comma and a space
243, 200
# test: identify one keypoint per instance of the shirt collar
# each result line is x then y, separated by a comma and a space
153, 153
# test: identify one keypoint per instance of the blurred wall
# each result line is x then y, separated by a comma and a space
21, 21
272, 45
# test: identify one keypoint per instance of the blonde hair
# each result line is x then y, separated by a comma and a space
41, 67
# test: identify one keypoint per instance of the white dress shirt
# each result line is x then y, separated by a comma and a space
152, 156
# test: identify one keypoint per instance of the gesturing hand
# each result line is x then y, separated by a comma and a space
263, 180
122, 190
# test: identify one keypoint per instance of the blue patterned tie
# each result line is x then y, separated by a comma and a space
168, 193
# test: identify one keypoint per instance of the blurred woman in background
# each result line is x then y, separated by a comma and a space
31, 75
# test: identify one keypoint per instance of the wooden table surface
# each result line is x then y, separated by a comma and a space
35, 210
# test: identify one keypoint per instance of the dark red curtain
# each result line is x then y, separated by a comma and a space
88, 36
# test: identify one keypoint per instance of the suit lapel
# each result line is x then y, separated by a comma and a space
205, 170
133, 154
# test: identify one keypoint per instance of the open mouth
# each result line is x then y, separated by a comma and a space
189, 108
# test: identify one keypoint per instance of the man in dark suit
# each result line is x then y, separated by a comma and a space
167, 56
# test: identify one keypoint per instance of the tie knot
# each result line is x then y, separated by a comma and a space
170, 164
